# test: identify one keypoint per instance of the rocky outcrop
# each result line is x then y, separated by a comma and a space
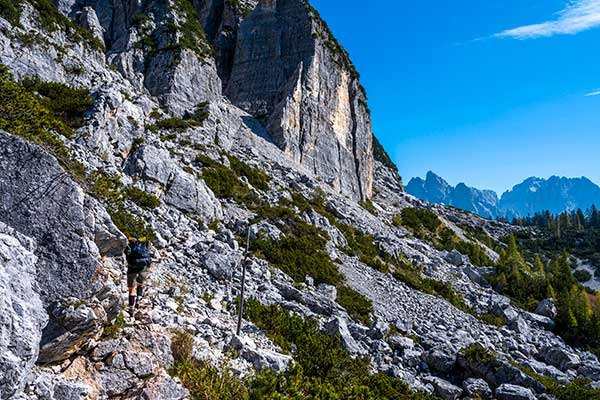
161, 175
40, 200
21, 313
289, 71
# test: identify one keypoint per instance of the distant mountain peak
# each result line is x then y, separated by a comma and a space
534, 194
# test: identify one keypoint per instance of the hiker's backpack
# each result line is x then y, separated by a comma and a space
138, 257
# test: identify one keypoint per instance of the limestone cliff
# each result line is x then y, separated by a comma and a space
289, 71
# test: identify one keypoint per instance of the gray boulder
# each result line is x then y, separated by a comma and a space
40, 200
71, 327
262, 358
443, 388
477, 388
163, 387
180, 189
21, 313
561, 358
455, 258
514, 392
441, 359
221, 264
547, 308
337, 327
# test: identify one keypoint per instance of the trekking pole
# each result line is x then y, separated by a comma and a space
241, 308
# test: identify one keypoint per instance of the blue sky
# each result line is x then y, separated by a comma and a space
482, 92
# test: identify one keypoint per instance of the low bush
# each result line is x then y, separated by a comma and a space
358, 306
130, 224
257, 178
476, 353
492, 319
204, 381
582, 275
141, 198
66, 102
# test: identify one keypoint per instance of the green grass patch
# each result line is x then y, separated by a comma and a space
11, 11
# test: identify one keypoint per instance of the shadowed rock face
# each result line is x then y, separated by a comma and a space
39, 200
288, 71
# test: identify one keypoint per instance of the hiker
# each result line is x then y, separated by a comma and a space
138, 263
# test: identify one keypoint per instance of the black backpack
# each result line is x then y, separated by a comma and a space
138, 257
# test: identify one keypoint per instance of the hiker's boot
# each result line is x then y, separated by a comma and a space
140, 294
132, 305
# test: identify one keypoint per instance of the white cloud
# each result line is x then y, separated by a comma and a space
594, 93
577, 16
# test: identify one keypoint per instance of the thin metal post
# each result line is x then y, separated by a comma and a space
241, 307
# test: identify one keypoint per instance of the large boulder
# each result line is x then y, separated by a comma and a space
477, 388
180, 189
39, 199
337, 327
562, 358
547, 308
72, 326
444, 389
21, 313
514, 392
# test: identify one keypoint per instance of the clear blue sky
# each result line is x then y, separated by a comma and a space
455, 88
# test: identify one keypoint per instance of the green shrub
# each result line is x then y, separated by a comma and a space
206, 161
299, 256
51, 20
582, 275
368, 205
358, 306
224, 182
112, 329
11, 10
257, 178
420, 220
362, 246
174, 124
192, 32
382, 156
66, 103
141, 198
476, 353
492, 319
130, 224
182, 346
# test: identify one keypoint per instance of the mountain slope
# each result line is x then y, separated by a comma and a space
123, 130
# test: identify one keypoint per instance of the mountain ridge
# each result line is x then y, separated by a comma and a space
555, 194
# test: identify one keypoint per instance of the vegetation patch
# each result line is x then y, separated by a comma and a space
323, 369
51, 20
67, 103
426, 225
382, 156
11, 11
192, 33
476, 353
358, 306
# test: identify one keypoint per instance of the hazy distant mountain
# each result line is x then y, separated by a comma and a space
555, 194
437, 190
534, 194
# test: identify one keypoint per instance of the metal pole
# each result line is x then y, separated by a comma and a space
241, 308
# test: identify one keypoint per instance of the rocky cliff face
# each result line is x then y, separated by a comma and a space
289, 71
138, 159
